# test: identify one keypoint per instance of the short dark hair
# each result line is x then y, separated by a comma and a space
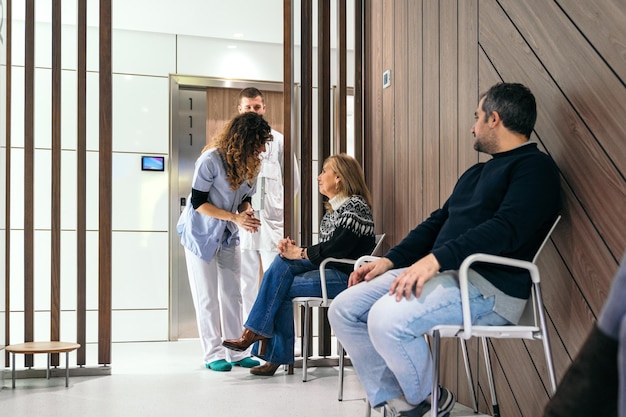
250, 92
515, 104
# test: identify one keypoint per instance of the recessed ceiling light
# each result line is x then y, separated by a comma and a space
237, 35
232, 46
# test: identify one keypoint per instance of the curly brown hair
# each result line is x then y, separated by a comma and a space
239, 144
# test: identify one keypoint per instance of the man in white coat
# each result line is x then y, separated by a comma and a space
259, 249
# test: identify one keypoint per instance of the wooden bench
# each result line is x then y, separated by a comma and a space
43, 347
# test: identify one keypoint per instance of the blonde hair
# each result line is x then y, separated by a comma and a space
238, 144
352, 178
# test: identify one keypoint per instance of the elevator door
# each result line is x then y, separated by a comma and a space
190, 138
198, 113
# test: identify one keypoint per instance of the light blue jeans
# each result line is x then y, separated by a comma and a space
272, 313
384, 337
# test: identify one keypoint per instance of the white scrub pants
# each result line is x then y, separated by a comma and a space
252, 261
216, 293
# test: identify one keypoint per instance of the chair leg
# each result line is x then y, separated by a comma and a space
468, 372
305, 348
341, 365
492, 387
434, 395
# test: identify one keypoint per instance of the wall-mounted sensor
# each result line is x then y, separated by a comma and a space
386, 78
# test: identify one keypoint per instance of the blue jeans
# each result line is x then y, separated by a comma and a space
384, 337
272, 313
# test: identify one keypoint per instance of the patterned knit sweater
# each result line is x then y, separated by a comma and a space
345, 232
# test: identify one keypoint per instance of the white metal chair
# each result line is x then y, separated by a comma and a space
322, 302
532, 325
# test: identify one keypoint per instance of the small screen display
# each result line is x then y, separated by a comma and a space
152, 163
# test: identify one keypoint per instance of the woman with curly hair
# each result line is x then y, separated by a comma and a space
223, 182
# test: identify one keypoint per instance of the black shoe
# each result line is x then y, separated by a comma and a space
446, 403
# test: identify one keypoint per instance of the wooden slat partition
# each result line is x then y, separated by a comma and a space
81, 186
29, 194
105, 170
55, 185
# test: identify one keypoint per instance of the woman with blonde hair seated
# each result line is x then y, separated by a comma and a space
346, 231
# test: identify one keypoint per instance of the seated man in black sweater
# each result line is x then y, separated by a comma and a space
502, 207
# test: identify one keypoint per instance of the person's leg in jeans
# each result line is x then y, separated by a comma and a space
385, 341
279, 348
274, 289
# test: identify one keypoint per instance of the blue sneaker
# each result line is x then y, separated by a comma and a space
246, 363
219, 365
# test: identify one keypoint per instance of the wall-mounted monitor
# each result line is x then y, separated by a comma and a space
153, 163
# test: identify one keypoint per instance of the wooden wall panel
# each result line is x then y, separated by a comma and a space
390, 195
399, 91
594, 94
448, 105
430, 115
571, 55
414, 106
602, 23
467, 33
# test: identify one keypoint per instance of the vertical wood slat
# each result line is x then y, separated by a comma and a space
341, 113
431, 102
323, 129
387, 124
55, 186
323, 84
306, 143
401, 91
288, 105
105, 170
81, 187
7, 180
29, 156
359, 75
415, 107
467, 33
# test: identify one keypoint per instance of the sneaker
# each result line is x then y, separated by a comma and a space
246, 363
219, 365
446, 403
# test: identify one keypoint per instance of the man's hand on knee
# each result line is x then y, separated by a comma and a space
370, 271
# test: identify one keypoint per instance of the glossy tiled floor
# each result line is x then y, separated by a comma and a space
167, 379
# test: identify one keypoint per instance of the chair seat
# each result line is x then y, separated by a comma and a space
502, 332
311, 301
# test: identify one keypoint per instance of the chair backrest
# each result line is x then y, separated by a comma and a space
545, 240
379, 243
530, 314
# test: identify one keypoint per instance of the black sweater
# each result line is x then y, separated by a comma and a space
347, 232
504, 207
